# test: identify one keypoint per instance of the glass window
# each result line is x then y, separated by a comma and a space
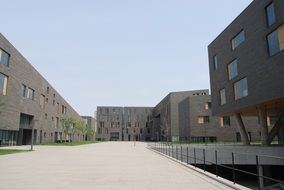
208, 105
238, 39
241, 88
222, 96
215, 62
23, 90
225, 121
3, 84
270, 14
233, 69
275, 41
31, 94
203, 119
4, 57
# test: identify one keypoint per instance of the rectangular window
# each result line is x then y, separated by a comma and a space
203, 119
238, 39
3, 84
241, 88
222, 96
270, 14
41, 101
233, 69
215, 62
208, 105
31, 94
4, 58
23, 90
225, 121
275, 41
47, 90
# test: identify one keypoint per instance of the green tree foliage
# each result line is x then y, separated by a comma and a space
68, 125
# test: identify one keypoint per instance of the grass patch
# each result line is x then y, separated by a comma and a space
11, 151
70, 143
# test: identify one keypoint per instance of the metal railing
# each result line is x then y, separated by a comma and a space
189, 155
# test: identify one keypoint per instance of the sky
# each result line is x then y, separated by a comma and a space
118, 52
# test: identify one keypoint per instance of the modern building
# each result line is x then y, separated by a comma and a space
123, 123
28, 102
196, 123
247, 70
165, 121
92, 125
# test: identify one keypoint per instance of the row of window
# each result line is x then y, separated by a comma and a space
224, 121
275, 44
27, 92
240, 91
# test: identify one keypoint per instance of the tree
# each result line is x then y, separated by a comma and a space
68, 126
90, 132
81, 126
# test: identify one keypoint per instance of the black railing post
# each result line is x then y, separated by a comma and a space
187, 155
181, 153
176, 152
233, 166
258, 172
194, 151
204, 160
172, 151
216, 162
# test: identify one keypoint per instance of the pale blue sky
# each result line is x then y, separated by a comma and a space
118, 52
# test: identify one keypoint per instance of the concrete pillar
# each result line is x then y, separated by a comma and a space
242, 129
260, 180
262, 114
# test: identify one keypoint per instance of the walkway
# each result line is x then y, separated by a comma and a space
101, 166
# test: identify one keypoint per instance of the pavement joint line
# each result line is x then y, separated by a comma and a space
208, 174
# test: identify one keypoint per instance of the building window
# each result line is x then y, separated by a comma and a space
63, 109
225, 121
45, 116
208, 105
47, 90
41, 101
23, 90
241, 88
275, 41
233, 69
238, 39
57, 123
215, 62
203, 119
31, 94
3, 84
270, 14
222, 96
4, 58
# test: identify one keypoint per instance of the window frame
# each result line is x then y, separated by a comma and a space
4, 89
230, 76
220, 96
235, 37
235, 92
8, 60
267, 15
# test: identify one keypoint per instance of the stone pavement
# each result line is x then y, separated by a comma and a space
101, 166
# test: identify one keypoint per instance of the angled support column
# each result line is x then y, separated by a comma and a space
262, 114
276, 128
242, 129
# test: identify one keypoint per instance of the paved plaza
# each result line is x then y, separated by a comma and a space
101, 166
